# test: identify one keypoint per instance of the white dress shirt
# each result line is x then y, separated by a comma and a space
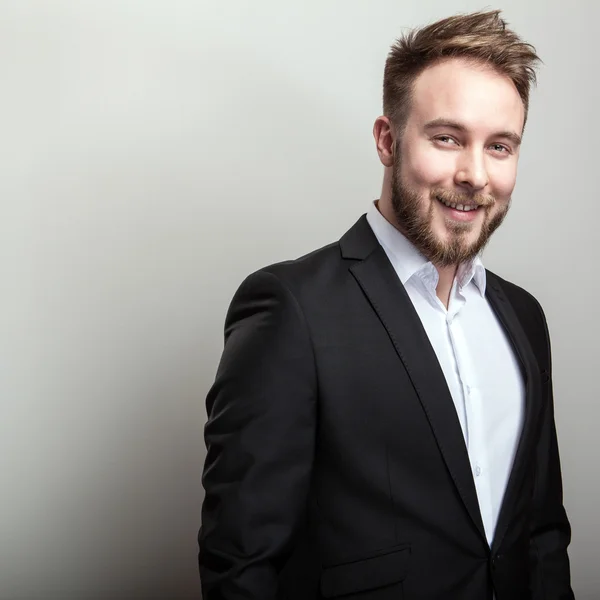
477, 360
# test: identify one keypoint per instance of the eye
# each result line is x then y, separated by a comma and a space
446, 140
501, 148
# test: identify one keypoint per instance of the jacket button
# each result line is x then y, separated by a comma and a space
495, 560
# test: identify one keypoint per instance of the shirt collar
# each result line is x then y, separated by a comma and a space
408, 261
472, 271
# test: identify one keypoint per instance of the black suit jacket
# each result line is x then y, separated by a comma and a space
336, 463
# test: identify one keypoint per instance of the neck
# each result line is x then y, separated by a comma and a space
445, 282
384, 204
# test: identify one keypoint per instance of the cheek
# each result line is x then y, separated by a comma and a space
425, 167
502, 178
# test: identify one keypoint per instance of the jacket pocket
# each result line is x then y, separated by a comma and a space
385, 568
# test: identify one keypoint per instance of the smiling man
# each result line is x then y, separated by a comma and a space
381, 425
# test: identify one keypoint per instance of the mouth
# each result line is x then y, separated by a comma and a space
464, 213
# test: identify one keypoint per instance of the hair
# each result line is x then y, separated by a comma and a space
481, 38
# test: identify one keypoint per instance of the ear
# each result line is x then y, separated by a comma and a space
383, 132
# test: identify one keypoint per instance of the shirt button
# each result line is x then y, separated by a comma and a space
477, 471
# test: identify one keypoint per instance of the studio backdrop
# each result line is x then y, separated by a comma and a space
156, 152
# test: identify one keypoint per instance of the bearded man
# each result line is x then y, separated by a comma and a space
381, 424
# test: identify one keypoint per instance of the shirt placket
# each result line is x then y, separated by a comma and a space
475, 424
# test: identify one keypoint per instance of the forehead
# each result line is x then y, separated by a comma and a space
473, 94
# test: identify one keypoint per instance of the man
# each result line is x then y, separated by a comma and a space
381, 425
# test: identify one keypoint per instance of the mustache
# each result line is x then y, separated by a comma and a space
452, 197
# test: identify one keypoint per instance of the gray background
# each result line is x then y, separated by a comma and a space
156, 152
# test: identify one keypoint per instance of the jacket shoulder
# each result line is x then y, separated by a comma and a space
520, 298
529, 312
310, 271
306, 264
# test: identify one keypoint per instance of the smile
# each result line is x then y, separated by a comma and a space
461, 207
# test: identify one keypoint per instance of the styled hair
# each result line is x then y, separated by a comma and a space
480, 37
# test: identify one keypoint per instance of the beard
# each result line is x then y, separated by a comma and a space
417, 225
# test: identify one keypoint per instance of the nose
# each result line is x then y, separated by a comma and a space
471, 171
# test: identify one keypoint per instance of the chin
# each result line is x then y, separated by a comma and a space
469, 232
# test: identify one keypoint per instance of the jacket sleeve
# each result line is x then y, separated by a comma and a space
550, 529
260, 443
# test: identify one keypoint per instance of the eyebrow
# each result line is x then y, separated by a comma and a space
507, 135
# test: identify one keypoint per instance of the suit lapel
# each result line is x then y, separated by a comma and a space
379, 282
524, 352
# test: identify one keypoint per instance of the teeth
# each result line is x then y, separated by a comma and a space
461, 207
